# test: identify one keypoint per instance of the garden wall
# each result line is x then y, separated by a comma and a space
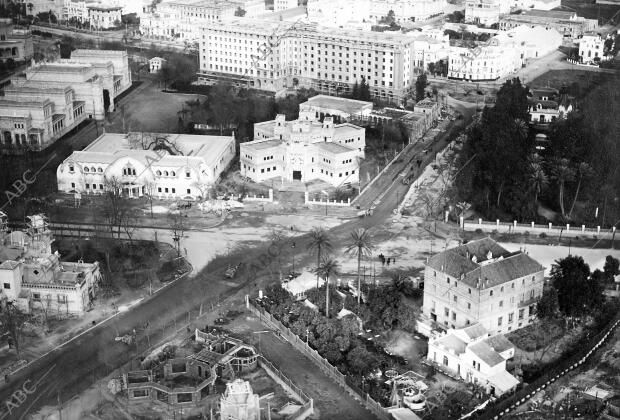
535, 229
266, 318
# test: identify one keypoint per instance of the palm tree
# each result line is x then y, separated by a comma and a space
319, 241
585, 171
538, 177
326, 268
359, 245
562, 172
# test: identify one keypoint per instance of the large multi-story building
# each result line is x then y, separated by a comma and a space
15, 43
305, 149
168, 166
568, 24
35, 278
407, 10
96, 14
271, 56
486, 12
501, 55
481, 282
182, 19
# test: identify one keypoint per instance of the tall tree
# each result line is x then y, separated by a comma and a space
361, 245
562, 172
320, 242
420, 87
547, 307
364, 90
611, 268
327, 268
538, 178
585, 171
578, 292
355, 94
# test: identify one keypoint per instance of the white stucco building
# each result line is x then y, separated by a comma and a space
50, 99
503, 54
35, 278
97, 14
486, 12
155, 64
182, 19
304, 150
546, 105
591, 49
15, 43
472, 355
407, 10
481, 282
167, 166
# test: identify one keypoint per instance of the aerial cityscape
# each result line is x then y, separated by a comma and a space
309, 209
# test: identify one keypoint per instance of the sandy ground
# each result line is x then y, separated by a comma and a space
548, 254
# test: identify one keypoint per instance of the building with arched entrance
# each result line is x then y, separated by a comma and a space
15, 43
166, 166
306, 149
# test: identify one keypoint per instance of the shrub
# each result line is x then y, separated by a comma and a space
543, 235
494, 232
526, 233
478, 230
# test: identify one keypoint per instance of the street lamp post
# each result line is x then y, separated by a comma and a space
293, 247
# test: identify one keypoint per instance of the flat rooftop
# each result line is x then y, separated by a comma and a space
350, 106
262, 145
554, 14
333, 147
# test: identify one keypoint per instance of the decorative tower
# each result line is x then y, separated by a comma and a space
41, 237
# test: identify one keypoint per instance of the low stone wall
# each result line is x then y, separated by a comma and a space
336, 203
535, 229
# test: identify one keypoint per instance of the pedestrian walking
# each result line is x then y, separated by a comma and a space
388, 262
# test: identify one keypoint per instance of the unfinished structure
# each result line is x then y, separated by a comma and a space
186, 381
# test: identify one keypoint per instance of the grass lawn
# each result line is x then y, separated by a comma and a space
586, 79
152, 110
590, 10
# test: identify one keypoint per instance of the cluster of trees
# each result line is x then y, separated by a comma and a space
390, 20
361, 91
228, 106
575, 290
503, 175
467, 36
439, 68
456, 17
178, 71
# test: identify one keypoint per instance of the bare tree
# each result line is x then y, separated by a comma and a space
177, 228
204, 189
149, 192
116, 211
12, 320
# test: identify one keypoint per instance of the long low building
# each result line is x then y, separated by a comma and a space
473, 355
567, 23
271, 56
167, 166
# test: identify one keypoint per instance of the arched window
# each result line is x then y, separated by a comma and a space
23, 138
92, 169
158, 173
99, 169
86, 169
165, 173
173, 174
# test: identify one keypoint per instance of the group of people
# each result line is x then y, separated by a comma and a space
387, 260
